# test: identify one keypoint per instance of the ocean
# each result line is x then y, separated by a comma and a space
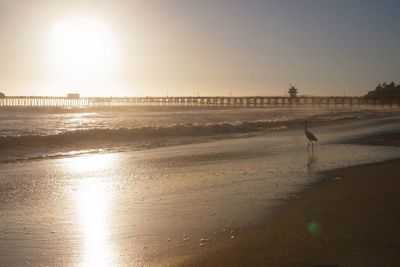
147, 186
28, 134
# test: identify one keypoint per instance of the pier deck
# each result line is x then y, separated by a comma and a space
245, 101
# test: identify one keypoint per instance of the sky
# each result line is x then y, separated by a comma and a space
190, 47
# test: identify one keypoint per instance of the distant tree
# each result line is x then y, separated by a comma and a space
2, 95
385, 91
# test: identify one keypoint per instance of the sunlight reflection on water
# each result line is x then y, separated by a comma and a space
95, 163
93, 201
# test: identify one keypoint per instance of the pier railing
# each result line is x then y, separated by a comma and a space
223, 101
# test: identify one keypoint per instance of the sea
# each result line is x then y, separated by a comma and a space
34, 134
145, 186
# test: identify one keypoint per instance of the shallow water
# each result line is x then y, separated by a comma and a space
27, 134
154, 206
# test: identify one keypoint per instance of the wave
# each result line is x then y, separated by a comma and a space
31, 157
98, 135
39, 146
104, 136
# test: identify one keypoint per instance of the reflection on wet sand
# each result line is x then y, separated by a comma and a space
90, 163
153, 207
93, 201
312, 160
93, 204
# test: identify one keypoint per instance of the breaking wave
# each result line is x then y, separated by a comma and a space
41, 146
136, 134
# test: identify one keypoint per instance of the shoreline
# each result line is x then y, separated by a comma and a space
155, 216
58, 150
349, 217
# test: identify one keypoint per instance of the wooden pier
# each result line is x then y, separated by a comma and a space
220, 101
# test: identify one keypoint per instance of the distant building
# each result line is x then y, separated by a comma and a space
73, 96
2, 95
293, 92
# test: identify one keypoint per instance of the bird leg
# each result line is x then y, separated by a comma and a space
312, 146
309, 143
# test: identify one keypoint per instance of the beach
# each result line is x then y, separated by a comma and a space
199, 133
215, 201
350, 218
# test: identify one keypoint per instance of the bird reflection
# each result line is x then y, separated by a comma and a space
312, 159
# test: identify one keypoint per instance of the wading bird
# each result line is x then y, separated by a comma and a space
310, 136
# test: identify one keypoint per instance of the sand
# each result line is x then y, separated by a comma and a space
179, 205
350, 218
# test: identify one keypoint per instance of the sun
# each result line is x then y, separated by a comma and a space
81, 48
82, 43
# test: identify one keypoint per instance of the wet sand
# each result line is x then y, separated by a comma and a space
350, 218
176, 205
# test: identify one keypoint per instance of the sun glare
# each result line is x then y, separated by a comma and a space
90, 163
93, 203
93, 200
82, 49
82, 43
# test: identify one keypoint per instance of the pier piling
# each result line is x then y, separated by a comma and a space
220, 101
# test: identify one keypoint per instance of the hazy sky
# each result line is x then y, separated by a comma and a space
248, 47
